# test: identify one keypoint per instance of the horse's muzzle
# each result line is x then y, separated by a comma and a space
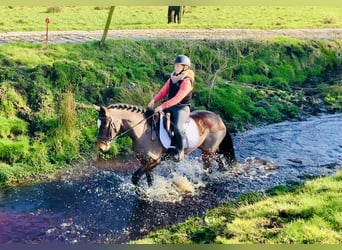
102, 145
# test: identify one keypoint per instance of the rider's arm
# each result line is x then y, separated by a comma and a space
162, 92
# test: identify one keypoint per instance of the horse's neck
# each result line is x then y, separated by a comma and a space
132, 122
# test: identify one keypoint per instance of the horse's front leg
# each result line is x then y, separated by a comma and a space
143, 170
147, 168
149, 171
137, 175
149, 177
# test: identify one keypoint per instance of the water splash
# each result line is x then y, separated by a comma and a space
175, 181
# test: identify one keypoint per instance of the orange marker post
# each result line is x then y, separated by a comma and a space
47, 21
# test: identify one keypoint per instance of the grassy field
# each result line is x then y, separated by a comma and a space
23, 18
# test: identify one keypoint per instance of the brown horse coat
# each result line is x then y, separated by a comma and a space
213, 136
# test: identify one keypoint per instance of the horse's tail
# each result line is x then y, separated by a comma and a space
226, 148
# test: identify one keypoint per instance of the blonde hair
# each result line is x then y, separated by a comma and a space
191, 74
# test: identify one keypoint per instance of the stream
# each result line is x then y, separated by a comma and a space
97, 203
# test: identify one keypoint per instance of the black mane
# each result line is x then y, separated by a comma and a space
133, 108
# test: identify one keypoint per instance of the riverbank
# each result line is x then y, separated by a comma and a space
290, 215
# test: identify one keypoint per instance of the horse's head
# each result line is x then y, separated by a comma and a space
107, 128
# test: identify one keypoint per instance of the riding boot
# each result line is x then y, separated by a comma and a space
178, 138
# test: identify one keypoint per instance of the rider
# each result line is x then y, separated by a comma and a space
178, 91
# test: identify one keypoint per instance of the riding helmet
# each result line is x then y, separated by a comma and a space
182, 59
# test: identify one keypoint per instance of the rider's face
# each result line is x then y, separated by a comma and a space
178, 68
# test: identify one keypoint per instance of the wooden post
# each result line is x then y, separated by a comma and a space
109, 20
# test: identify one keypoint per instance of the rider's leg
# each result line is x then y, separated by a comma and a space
180, 114
178, 138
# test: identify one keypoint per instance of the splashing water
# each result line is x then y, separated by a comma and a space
172, 181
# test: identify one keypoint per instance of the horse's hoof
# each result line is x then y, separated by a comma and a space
140, 192
135, 180
223, 169
206, 175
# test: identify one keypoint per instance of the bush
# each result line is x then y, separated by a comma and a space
14, 151
54, 9
65, 144
12, 127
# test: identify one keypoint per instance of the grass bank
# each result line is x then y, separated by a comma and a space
309, 213
23, 18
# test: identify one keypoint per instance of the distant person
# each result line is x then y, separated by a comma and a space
178, 91
174, 14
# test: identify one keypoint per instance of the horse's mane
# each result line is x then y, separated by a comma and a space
130, 107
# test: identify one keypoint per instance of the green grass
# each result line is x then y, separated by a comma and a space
23, 18
309, 214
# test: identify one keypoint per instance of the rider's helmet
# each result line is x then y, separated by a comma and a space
182, 59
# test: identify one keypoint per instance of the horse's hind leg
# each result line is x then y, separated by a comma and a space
207, 158
149, 177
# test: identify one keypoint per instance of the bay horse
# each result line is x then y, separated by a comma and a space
211, 133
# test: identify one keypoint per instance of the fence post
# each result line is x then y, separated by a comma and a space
109, 20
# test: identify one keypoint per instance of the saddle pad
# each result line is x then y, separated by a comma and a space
190, 139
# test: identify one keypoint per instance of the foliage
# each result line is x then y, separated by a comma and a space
54, 9
65, 141
136, 94
332, 95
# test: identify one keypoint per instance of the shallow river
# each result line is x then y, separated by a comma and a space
97, 203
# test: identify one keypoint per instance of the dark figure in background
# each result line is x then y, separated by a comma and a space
174, 14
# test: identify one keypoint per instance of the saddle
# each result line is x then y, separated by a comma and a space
162, 129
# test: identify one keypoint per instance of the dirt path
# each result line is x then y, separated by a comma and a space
201, 34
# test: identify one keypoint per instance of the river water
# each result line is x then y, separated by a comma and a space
97, 203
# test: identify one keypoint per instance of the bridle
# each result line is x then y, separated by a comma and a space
111, 132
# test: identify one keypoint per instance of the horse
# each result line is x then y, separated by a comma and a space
211, 136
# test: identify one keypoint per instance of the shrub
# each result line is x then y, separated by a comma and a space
54, 9
65, 143
12, 127
14, 151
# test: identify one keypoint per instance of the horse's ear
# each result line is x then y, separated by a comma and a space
98, 108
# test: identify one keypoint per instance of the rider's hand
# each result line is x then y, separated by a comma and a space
158, 109
151, 104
